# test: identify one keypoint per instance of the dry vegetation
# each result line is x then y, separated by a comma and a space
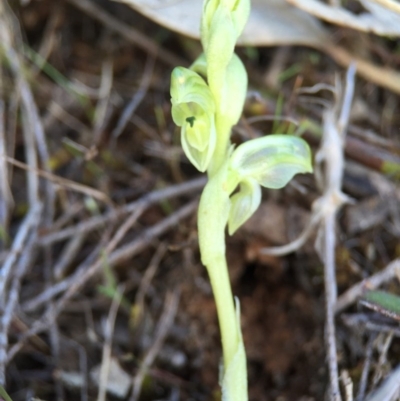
100, 274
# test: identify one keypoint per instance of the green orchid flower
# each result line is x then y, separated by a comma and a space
193, 109
271, 162
207, 100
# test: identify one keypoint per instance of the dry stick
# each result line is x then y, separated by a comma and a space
55, 110
390, 5
347, 384
83, 367
147, 200
145, 282
33, 129
298, 242
389, 390
49, 37
367, 364
12, 121
332, 153
17, 247
6, 200
63, 182
81, 271
165, 322
6, 43
101, 114
107, 347
330, 298
67, 255
372, 282
28, 254
49, 293
136, 99
132, 35
119, 255
385, 77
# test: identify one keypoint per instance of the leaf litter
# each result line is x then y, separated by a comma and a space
85, 213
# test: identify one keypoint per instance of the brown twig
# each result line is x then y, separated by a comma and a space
75, 282
147, 200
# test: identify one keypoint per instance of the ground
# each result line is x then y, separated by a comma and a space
101, 265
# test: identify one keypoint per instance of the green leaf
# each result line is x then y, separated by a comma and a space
243, 204
4, 394
382, 302
272, 160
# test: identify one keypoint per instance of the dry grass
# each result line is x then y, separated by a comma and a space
98, 249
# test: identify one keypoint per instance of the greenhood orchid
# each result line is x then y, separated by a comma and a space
207, 100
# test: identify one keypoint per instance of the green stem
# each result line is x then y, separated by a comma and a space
220, 155
212, 218
220, 283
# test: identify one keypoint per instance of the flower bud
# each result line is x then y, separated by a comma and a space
222, 23
237, 11
193, 110
234, 90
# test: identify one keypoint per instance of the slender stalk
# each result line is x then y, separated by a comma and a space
220, 155
219, 277
212, 218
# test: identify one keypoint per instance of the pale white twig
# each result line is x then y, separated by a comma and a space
347, 384
82, 275
107, 347
390, 5
367, 364
17, 247
372, 282
332, 154
325, 208
147, 277
6, 200
389, 390
9, 304
165, 322
148, 199
136, 99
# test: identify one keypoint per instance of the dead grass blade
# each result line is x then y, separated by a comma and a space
85, 271
60, 181
20, 259
271, 23
107, 346
379, 20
